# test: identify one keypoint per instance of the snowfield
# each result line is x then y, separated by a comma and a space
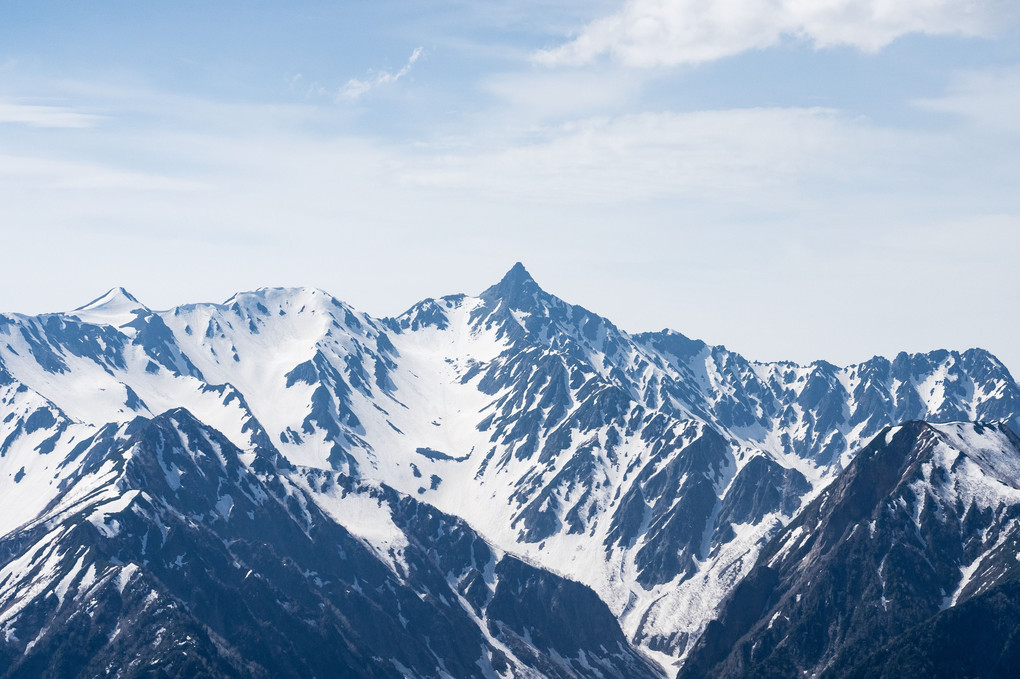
651, 467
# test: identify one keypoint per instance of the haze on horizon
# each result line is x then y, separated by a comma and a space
795, 184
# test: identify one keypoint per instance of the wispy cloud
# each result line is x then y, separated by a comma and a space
760, 157
722, 194
40, 115
647, 33
990, 100
44, 174
355, 87
543, 94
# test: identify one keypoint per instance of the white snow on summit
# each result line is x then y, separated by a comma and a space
116, 307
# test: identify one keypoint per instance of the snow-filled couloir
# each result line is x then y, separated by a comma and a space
650, 467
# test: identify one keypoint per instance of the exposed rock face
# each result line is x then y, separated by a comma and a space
651, 468
166, 554
924, 519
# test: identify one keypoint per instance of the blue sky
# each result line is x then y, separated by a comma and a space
796, 180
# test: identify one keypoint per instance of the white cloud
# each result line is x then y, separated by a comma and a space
269, 162
542, 94
46, 174
990, 100
38, 115
754, 156
355, 87
688, 212
647, 33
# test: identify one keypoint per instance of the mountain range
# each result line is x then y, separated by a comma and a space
495, 485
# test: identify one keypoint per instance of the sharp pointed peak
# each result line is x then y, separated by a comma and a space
516, 284
114, 297
517, 291
518, 273
116, 307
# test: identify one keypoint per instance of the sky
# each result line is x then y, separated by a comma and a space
830, 179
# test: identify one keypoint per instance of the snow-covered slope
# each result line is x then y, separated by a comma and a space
650, 467
926, 518
166, 555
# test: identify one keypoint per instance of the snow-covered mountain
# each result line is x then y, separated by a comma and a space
650, 468
926, 518
166, 553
